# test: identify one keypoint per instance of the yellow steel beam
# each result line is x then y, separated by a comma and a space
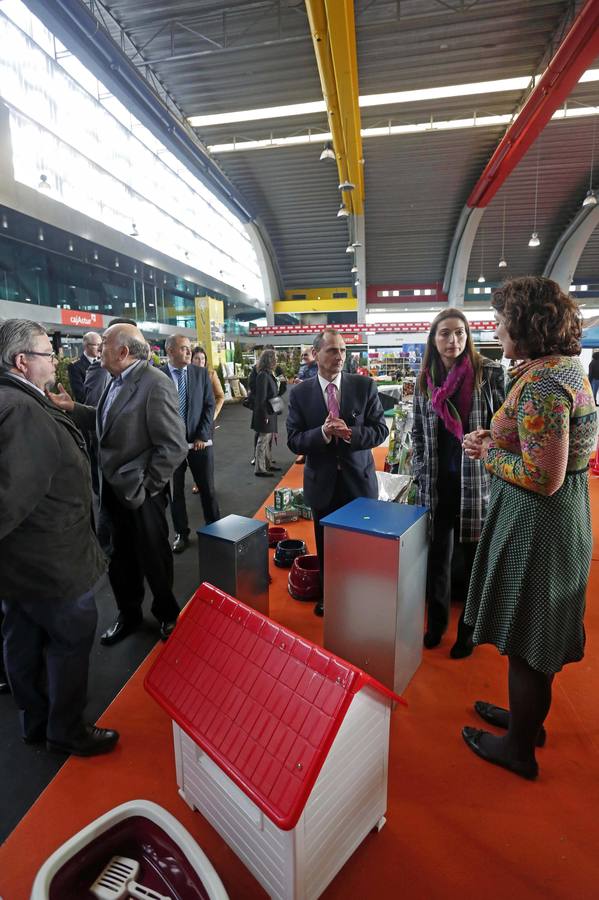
332, 26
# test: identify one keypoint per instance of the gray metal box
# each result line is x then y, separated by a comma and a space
375, 585
233, 556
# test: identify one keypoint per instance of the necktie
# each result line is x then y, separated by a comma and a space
332, 401
182, 387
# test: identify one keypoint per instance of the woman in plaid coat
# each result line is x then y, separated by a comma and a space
457, 391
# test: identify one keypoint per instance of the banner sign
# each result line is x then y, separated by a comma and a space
82, 319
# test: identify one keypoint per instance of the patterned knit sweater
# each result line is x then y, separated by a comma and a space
547, 426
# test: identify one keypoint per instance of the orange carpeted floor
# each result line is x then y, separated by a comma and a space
456, 827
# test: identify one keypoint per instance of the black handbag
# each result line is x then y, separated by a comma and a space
276, 405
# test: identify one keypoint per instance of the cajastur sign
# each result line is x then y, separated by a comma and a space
83, 319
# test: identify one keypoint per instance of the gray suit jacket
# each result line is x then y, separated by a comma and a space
143, 440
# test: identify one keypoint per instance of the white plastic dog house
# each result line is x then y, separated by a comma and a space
282, 746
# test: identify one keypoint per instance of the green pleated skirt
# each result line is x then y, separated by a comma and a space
528, 585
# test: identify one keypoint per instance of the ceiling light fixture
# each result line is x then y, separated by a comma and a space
357, 282
4, 221
134, 232
116, 262
328, 152
95, 254
342, 212
44, 184
591, 199
502, 264
353, 270
350, 248
40, 234
347, 186
534, 238
71, 246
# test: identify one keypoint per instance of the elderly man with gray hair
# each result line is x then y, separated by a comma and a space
49, 557
92, 344
141, 441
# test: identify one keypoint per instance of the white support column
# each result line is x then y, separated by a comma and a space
268, 270
459, 255
561, 265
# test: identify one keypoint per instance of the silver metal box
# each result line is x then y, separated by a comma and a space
233, 556
375, 584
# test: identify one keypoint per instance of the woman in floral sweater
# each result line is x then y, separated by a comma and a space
527, 592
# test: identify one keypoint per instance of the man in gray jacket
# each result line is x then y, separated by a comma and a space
49, 557
141, 441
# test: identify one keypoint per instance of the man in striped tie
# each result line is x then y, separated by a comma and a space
196, 408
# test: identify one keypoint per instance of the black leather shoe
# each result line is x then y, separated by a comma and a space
500, 718
92, 741
319, 609
4, 685
472, 737
264, 475
166, 629
121, 628
462, 649
432, 639
300, 461
275, 469
180, 543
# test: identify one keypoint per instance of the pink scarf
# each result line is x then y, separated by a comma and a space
451, 399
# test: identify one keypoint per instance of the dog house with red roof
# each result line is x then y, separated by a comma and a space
282, 746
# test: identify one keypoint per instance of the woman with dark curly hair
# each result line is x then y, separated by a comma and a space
527, 592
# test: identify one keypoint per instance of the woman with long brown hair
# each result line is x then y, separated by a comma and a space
527, 592
457, 391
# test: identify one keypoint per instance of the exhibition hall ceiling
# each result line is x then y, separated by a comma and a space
236, 56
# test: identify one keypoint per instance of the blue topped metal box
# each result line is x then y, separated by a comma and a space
233, 556
375, 556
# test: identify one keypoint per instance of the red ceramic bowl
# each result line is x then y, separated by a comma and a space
304, 578
276, 533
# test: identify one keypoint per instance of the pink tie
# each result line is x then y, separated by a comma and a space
332, 401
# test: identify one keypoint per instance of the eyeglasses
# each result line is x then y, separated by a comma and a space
38, 353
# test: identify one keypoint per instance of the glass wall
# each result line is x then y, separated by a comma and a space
78, 145
44, 266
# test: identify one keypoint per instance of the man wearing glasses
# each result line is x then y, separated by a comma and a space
50, 559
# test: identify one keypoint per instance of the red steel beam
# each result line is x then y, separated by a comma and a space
575, 54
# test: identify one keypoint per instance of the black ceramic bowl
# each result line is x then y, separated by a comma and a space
287, 551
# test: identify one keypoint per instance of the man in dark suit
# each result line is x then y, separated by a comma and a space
50, 560
141, 441
92, 344
334, 420
196, 408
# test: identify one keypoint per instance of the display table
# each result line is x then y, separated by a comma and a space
375, 582
233, 556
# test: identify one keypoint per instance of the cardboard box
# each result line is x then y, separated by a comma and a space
283, 498
280, 516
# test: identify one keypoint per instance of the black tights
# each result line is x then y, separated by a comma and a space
530, 700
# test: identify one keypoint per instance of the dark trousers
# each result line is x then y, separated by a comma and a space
46, 652
141, 548
341, 496
440, 554
201, 464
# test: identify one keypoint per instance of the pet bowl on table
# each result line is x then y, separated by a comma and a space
287, 551
304, 578
276, 533
171, 864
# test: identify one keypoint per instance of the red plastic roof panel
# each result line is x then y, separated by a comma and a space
262, 702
